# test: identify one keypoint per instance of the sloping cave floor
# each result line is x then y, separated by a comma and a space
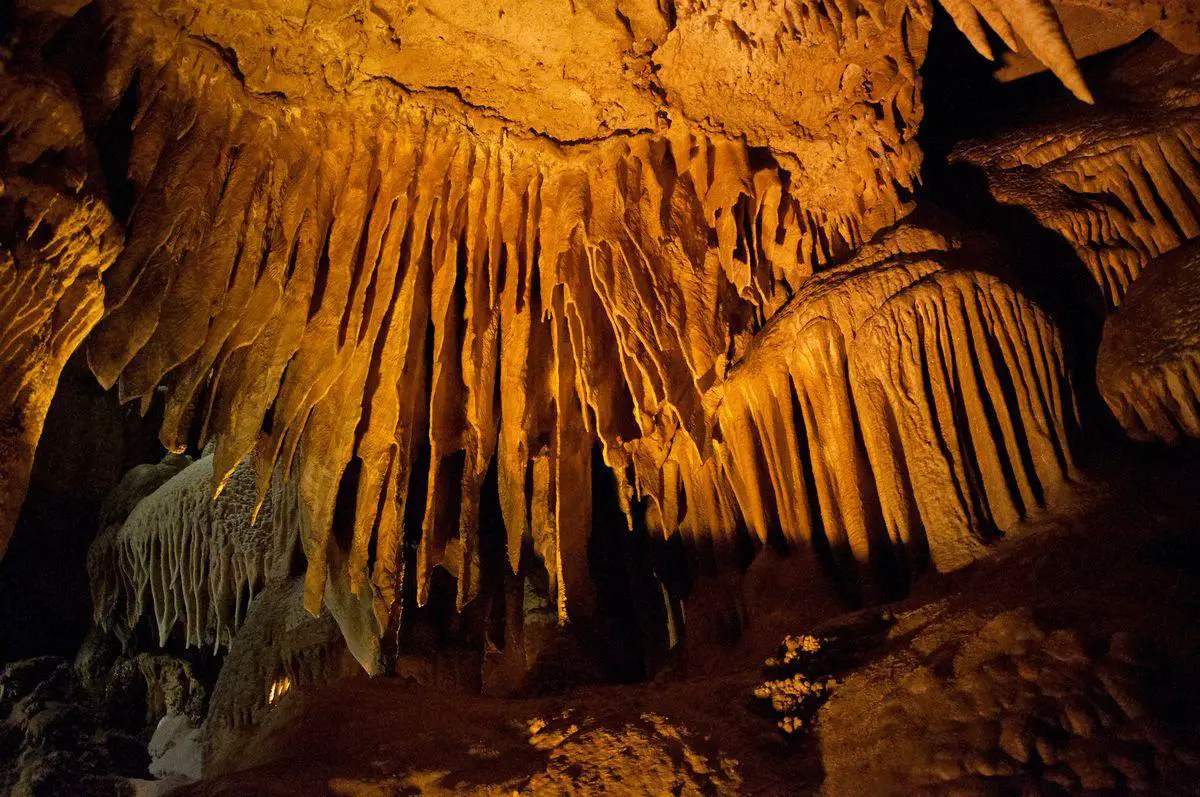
1121, 555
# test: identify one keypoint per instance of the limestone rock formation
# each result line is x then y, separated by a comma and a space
1120, 182
444, 200
1177, 21
895, 408
508, 346
1096, 26
53, 741
412, 262
1016, 707
1149, 362
57, 239
278, 648
186, 559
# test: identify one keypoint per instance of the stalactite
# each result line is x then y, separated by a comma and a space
1120, 184
377, 295
968, 412
346, 277
187, 560
1034, 21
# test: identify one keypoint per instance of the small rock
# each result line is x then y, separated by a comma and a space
1079, 719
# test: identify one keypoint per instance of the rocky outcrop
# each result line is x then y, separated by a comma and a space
1149, 361
280, 647
57, 239
1012, 707
53, 740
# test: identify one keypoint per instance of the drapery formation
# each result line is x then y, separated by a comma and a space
892, 408
190, 562
381, 279
1120, 183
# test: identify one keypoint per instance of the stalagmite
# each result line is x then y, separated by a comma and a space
279, 647
1149, 362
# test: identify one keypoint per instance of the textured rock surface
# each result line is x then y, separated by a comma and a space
1095, 26
1149, 362
1120, 182
184, 558
57, 238
1007, 706
423, 266
894, 409
278, 648
52, 739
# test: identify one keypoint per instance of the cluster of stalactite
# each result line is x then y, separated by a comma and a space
1120, 183
333, 289
191, 562
892, 408
379, 308
368, 298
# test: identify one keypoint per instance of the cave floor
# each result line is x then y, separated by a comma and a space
1124, 558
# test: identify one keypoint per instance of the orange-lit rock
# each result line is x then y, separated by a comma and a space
1120, 182
389, 253
1149, 363
57, 238
503, 348
854, 416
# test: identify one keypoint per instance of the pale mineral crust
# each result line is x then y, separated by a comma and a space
1149, 363
187, 559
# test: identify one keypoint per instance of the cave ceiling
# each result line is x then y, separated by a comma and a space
401, 257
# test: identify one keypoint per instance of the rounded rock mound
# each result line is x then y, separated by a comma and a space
1148, 367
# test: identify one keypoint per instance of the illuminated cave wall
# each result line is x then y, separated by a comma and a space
446, 278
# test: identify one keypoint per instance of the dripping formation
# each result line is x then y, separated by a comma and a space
311, 313
855, 417
366, 290
1121, 182
187, 559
